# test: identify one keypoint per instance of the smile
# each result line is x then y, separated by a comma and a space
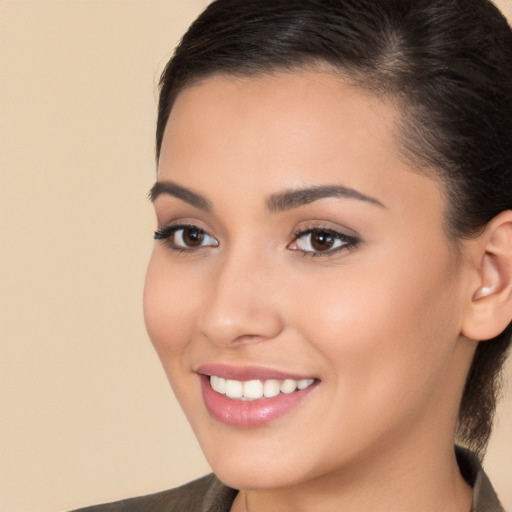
252, 397
256, 389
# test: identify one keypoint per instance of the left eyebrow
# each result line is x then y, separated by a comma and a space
290, 199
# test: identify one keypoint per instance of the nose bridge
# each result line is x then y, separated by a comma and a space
238, 308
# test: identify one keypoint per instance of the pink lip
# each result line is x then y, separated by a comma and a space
248, 413
247, 372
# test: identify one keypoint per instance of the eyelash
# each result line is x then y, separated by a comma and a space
167, 233
348, 242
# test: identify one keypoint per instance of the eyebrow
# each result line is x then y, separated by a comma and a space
294, 198
185, 194
282, 201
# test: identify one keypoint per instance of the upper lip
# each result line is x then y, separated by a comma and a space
244, 373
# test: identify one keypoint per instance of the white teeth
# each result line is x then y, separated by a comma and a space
305, 383
255, 389
271, 388
218, 384
234, 388
288, 386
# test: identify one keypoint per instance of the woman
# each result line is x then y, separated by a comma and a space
330, 291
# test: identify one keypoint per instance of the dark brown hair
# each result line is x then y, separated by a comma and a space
446, 63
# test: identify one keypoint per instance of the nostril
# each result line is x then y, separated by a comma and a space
223, 338
250, 338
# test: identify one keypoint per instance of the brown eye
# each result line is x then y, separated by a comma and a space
182, 238
322, 240
192, 237
319, 241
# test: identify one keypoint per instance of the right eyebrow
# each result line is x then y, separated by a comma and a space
185, 194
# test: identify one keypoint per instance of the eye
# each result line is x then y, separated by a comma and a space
318, 241
185, 237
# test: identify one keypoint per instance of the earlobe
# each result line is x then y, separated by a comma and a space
482, 292
490, 310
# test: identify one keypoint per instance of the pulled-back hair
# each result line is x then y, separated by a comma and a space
447, 65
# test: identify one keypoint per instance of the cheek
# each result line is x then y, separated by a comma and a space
387, 330
169, 308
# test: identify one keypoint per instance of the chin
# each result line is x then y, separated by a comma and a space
251, 462
249, 477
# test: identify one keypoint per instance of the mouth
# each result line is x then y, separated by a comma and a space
257, 389
237, 397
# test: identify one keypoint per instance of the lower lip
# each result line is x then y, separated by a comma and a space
250, 413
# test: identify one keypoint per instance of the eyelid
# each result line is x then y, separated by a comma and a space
166, 233
350, 242
168, 223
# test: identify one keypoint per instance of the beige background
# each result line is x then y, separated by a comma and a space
85, 412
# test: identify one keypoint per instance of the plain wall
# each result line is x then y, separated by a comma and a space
86, 414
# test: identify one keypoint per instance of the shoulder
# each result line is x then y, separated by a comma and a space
207, 494
485, 498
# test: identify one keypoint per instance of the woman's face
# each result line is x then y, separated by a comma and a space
297, 252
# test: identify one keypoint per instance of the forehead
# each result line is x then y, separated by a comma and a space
296, 100
275, 131
279, 108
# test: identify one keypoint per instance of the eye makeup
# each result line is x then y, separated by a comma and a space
185, 237
322, 241
313, 241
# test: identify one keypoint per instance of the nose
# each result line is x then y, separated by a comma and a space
241, 305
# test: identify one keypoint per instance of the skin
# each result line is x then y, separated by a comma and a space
379, 324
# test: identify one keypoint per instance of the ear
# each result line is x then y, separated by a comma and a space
490, 309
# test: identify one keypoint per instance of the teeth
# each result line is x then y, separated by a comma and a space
234, 389
218, 384
288, 386
255, 389
305, 383
271, 388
